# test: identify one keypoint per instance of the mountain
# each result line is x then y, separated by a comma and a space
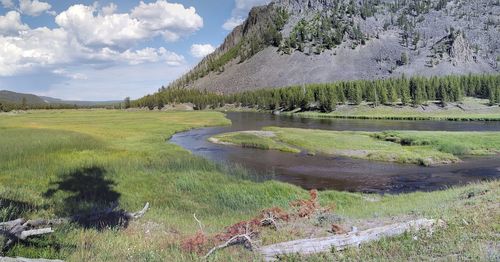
9, 97
52, 100
293, 42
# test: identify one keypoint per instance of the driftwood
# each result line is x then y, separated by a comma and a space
340, 242
21, 229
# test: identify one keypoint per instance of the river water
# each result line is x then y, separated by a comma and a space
341, 173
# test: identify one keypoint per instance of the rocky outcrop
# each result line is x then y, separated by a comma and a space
329, 40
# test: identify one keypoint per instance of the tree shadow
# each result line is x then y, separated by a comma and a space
13, 209
88, 199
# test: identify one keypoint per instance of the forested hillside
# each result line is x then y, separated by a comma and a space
291, 42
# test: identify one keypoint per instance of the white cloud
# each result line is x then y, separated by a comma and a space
170, 20
11, 23
91, 28
200, 50
7, 3
240, 12
33, 7
107, 28
109, 9
85, 36
65, 73
233, 22
53, 48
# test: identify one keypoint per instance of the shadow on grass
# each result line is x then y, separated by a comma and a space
13, 209
88, 199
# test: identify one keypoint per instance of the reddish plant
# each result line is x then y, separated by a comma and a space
338, 229
305, 208
194, 244
276, 212
243, 227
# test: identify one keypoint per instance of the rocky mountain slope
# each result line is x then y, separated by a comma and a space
293, 42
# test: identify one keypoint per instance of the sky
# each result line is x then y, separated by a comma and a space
108, 50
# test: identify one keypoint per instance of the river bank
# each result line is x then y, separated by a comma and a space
425, 148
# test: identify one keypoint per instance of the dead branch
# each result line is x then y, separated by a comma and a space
243, 239
138, 214
269, 220
340, 242
236, 240
199, 223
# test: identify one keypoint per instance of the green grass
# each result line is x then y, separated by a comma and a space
253, 140
55, 163
423, 148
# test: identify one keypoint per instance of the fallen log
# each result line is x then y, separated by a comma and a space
340, 242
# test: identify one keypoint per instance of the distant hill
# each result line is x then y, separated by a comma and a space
52, 100
295, 42
9, 97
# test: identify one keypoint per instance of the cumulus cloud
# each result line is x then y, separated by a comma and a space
108, 28
91, 28
88, 36
33, 7
201, 50
240, 12
11, 23
109, 9
7, 3
168, 19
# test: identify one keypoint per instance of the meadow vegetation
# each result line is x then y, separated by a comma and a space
58, 163
413, 147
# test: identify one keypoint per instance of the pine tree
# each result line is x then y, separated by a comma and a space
127, 102
405, 91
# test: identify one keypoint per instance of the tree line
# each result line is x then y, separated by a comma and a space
412, 91
7, 107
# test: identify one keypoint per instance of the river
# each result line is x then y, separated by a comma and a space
341, 173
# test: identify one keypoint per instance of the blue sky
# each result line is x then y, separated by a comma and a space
107, 50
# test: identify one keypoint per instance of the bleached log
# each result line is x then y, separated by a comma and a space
340, 242
35, 232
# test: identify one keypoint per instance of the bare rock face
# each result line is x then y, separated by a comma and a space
460, 50
290, 42
303, 6
454, 48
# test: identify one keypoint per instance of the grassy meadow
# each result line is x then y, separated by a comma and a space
59, 163
409, 147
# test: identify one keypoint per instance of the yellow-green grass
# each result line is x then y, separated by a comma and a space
51, 160
423, 148
256, 139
